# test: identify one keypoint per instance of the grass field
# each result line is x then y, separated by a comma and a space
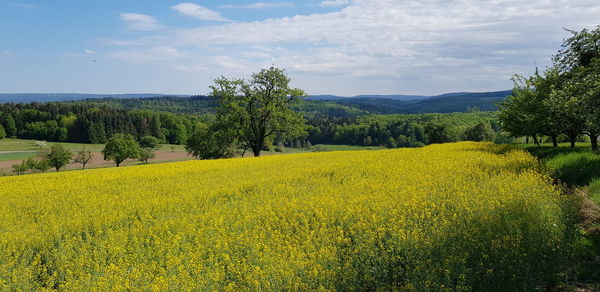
455, 217
7, 145
29, 145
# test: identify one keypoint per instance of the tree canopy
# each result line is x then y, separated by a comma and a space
121, 147
564, 99
58, 156
259, 108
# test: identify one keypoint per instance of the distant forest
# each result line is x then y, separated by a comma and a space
173, 119
88, 123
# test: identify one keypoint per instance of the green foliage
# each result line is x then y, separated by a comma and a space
2, 132
480, 132
594, 190
440, 133
121, 147
564, 100
149, 142
260, 108
390, 143
210, 143
10, 126
83, 157
19, 169
146, 154
91, 123
58, 156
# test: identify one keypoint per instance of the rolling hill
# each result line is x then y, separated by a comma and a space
325, 104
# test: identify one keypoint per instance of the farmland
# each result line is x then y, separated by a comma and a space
449, 217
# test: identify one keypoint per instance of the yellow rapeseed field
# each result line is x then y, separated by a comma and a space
453, 217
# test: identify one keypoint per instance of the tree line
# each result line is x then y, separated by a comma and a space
563, 102
88, 123
400, 130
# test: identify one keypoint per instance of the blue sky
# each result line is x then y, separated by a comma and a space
344, 47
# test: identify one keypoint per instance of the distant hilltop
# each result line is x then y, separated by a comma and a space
361, 99
49, 97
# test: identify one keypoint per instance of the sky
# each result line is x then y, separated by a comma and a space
341, 47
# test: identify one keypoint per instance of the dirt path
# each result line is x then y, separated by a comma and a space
98, 161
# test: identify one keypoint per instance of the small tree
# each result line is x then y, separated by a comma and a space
121, 147
19, 168
149, 142
41, 166
58, 157
2, 132
30, 164
146, 154
83, 157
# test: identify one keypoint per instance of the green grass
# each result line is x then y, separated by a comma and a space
547, 151
16, 156
575, 168
594, 190
29, 145
326, 147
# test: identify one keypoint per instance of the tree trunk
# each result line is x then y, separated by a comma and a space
256, 148
526, 139
554, 141
573, 139
244, 153
594, 139
535, 140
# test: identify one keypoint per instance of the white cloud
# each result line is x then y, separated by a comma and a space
411, 45
136, 21
259, 5
25, 5
335, 2
147, 55
199, 12
89, 52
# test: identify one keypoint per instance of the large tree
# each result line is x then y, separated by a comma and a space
579, 61
260, 108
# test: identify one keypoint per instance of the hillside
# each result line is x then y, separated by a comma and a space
318, 104
57, 97
446, 103
358, 220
